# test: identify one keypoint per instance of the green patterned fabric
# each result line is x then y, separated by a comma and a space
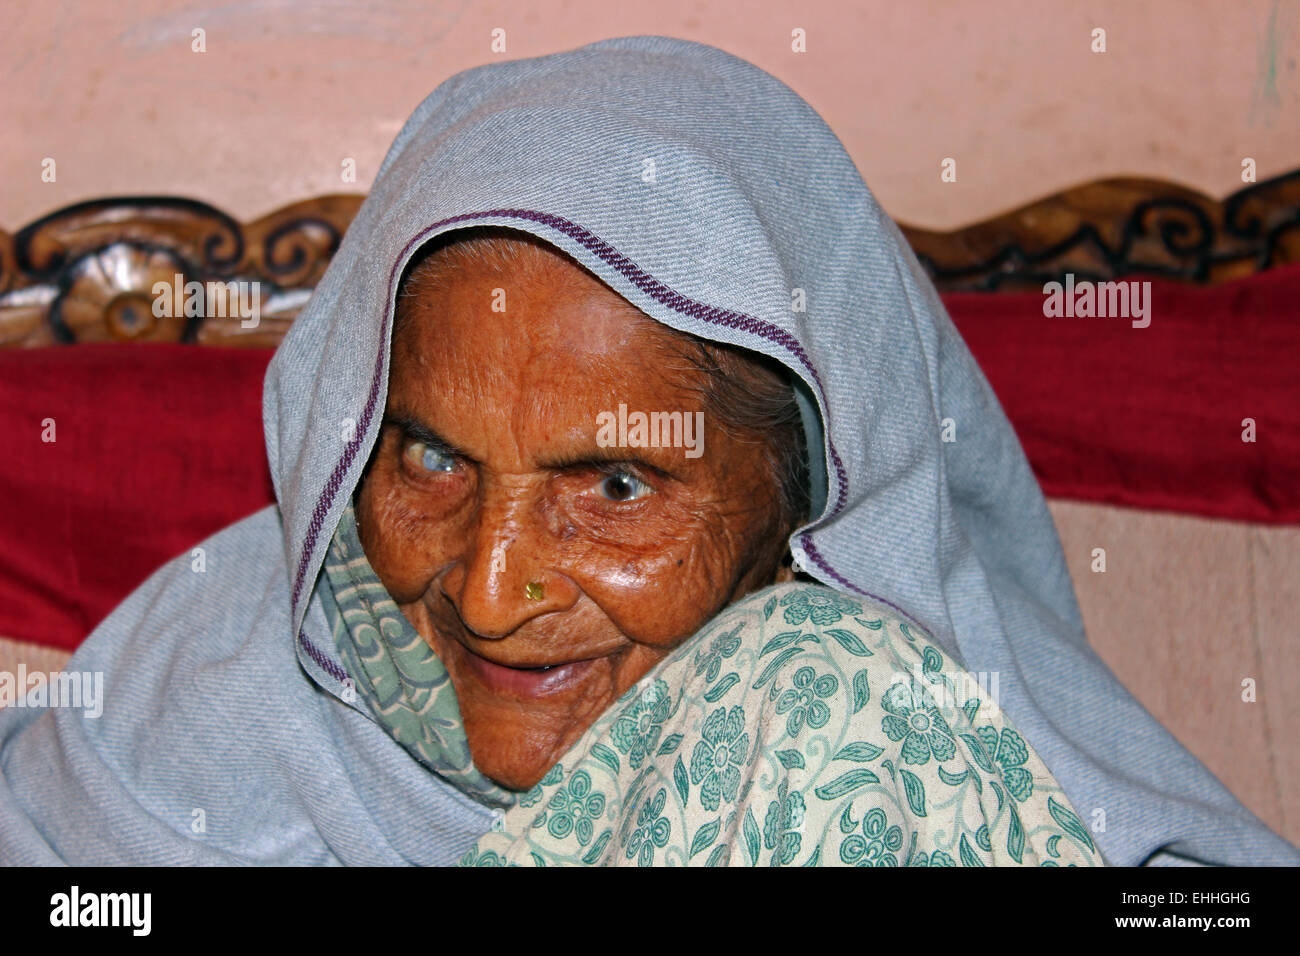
397, 674
801, 728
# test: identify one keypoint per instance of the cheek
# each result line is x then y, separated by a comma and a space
401, 535
663, 588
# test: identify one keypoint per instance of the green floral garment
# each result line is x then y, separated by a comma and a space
801, 728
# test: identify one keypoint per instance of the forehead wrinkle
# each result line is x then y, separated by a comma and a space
547, 359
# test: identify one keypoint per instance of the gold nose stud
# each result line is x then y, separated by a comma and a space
534, 590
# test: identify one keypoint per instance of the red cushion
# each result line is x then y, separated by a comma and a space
1152, 417
158, 446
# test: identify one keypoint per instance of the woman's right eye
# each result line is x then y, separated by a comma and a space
623, 486
430, 458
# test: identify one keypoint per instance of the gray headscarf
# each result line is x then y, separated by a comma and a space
706, 193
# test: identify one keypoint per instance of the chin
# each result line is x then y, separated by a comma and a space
513, 776
499, 756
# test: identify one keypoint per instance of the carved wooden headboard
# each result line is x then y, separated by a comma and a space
85, 273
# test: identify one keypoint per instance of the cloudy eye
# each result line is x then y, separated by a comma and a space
429, 457
621, 486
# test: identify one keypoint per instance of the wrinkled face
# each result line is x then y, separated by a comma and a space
548, 570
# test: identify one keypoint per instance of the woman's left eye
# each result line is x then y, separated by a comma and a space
430, 458
622, 486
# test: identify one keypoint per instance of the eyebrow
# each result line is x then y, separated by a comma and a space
412, 427
606, 459
598, 459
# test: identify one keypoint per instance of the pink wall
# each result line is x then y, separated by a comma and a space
288, 89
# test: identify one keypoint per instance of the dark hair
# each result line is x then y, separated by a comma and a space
749, 395
752, 398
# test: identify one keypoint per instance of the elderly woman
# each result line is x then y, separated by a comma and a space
617, 524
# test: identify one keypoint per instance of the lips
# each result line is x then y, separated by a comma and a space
529, 682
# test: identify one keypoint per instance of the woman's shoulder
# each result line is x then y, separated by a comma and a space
813, 622
819, 657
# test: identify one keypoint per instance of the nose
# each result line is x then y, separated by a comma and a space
505, 576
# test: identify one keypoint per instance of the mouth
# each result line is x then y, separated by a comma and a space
529, 682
